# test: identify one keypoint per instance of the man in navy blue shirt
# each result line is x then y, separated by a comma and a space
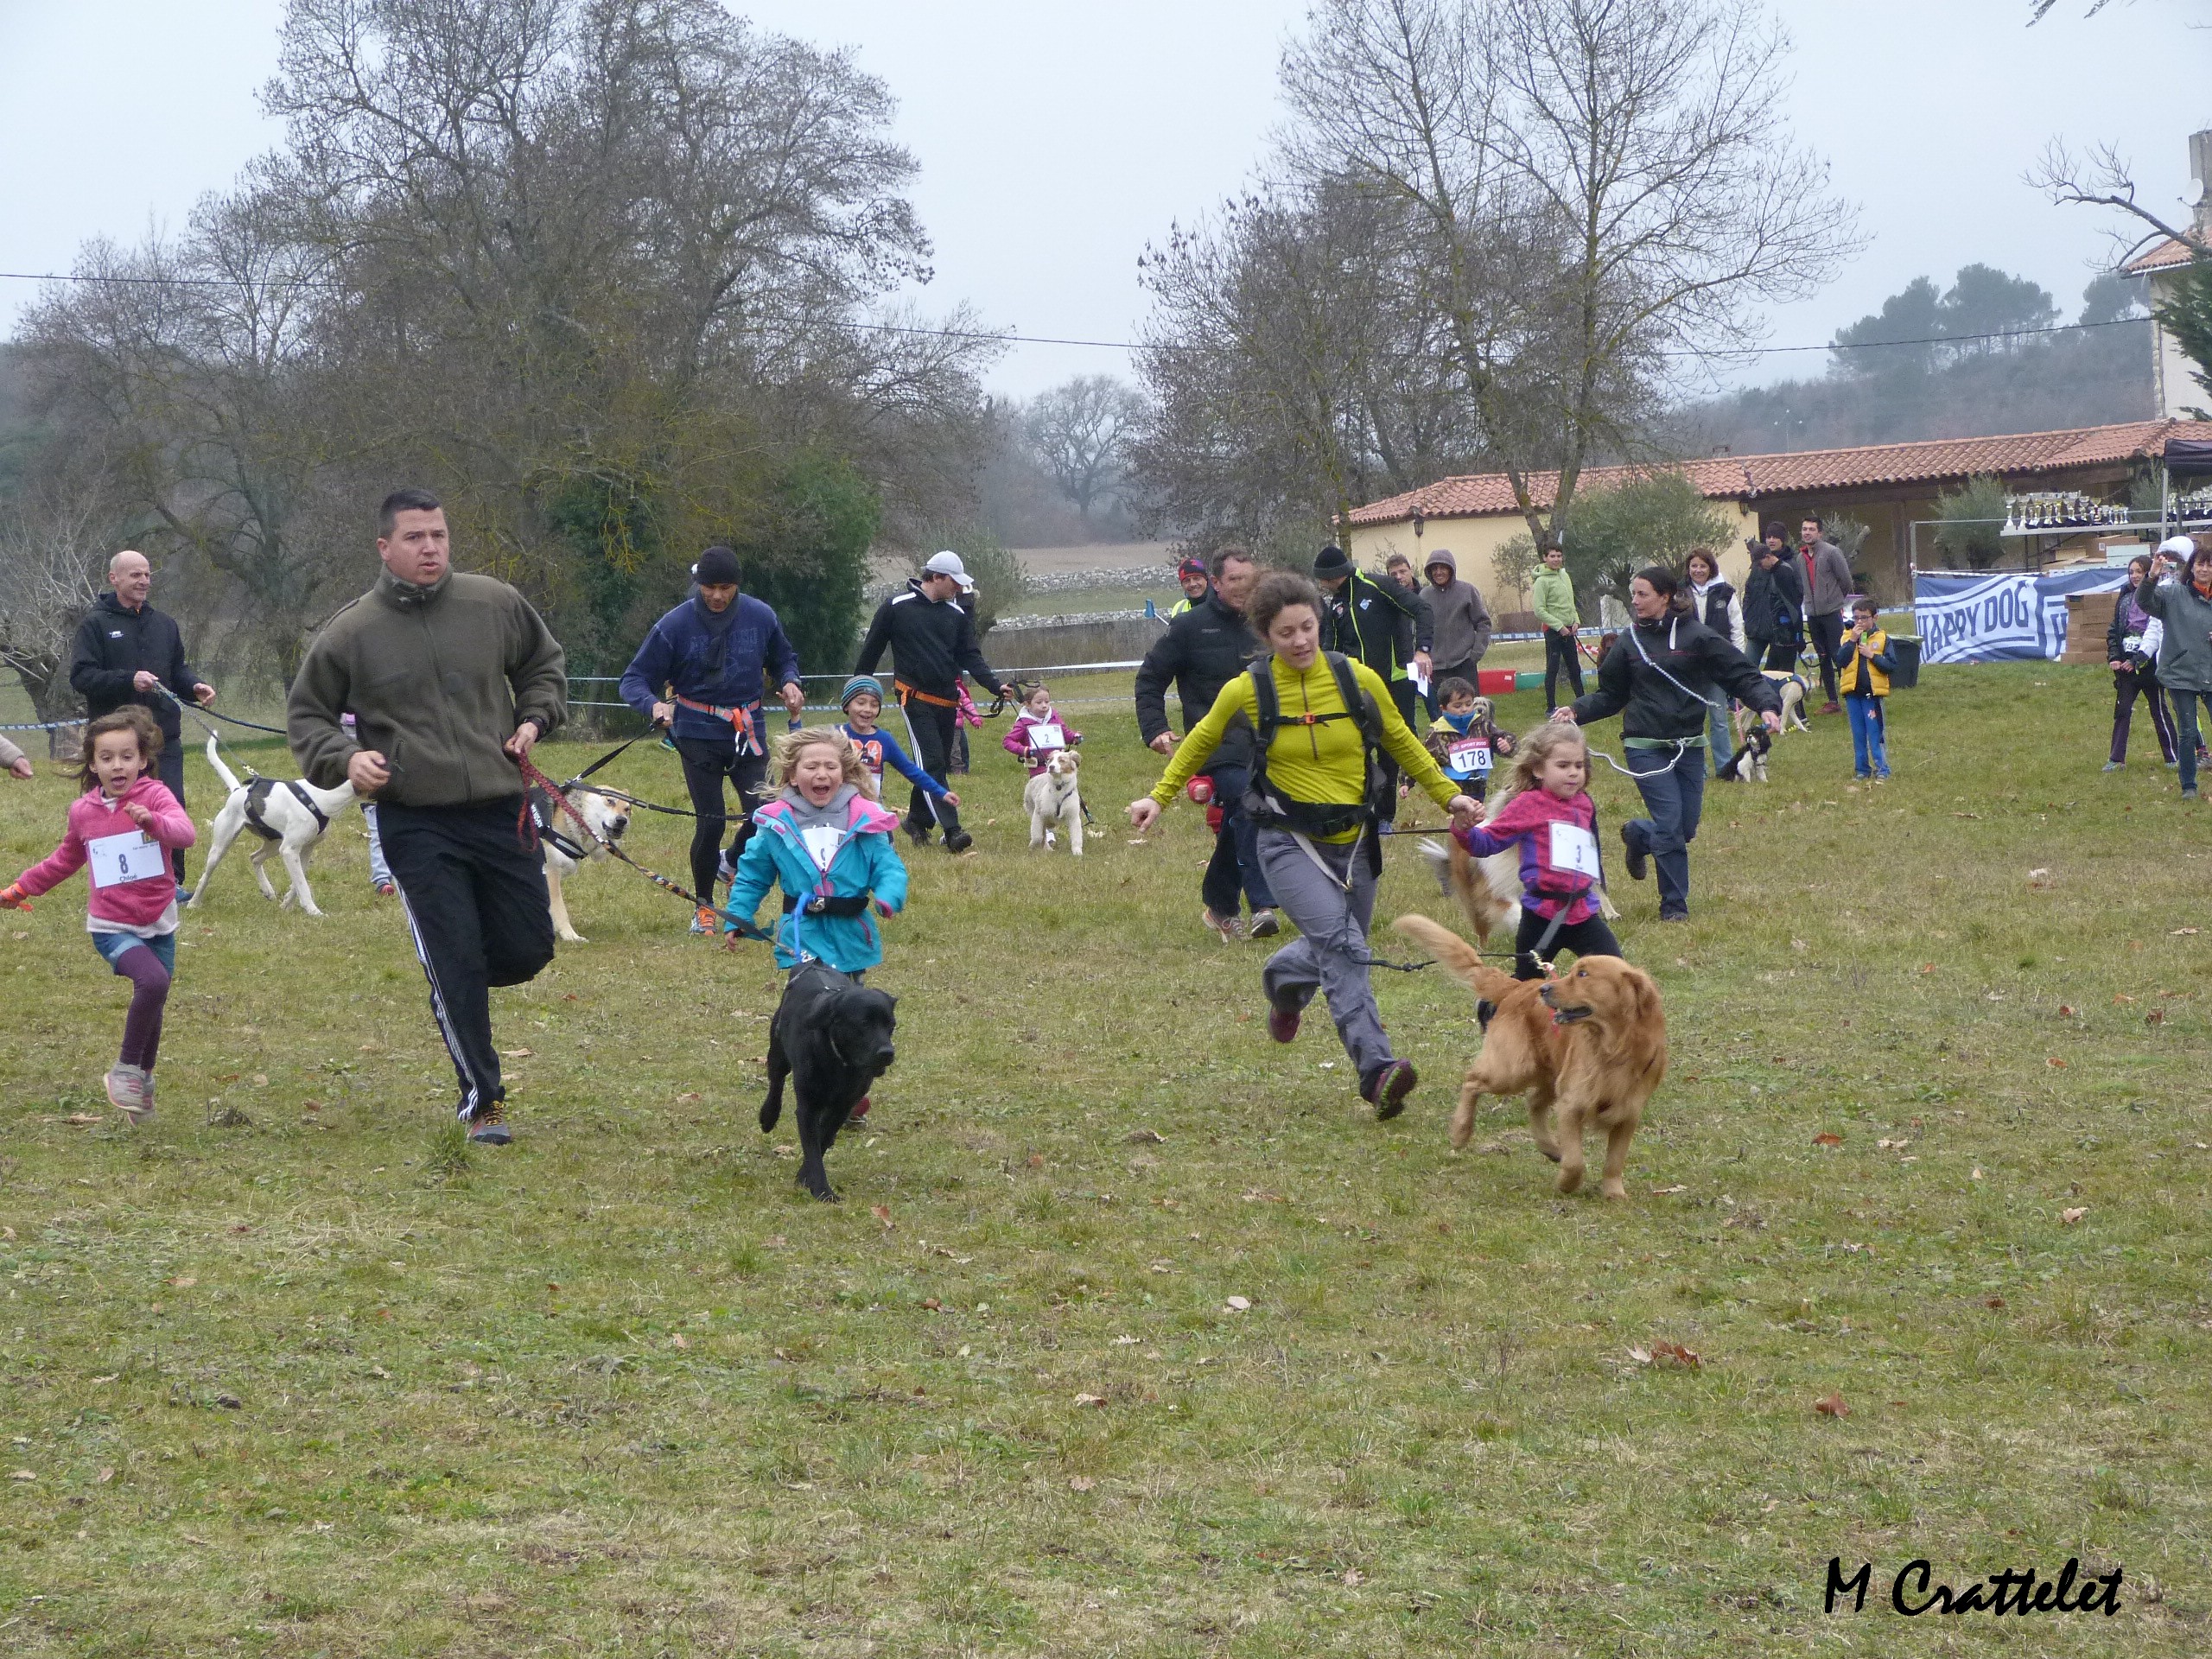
701, 672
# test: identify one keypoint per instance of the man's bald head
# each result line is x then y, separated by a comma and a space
131, 577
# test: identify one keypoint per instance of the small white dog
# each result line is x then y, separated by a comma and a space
287, 819
567, 849
1053, 799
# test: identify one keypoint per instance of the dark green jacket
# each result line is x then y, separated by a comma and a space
437, 678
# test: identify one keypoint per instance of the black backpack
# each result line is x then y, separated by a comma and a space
1272, 809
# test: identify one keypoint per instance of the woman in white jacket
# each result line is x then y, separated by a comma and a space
1720, 607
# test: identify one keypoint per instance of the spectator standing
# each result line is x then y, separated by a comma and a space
1774, 602
452, 679
125, 651
2131, 649
1863, 666
1416, 678
931, 639
1828, 589
1659, 676
1561, 618
1460, 625
14, 761
700, 672
1202, 651
1717, 605
2184, 605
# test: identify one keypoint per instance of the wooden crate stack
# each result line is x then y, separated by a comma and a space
2088, 619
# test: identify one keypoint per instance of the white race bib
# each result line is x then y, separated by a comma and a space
132, 856
1575, 849
1042, 738
821, 843
1469, 755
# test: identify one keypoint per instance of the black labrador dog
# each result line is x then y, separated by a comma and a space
832, 1039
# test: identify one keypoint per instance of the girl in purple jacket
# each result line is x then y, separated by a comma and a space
1547, 813
124, 826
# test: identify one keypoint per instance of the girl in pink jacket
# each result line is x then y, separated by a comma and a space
123, 826
1037, 731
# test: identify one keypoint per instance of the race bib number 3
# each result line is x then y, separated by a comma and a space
1575, 849
132, 857
822, 842
1470, 755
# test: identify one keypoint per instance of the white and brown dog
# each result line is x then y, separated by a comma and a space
1054, 803
567, 850
287, 820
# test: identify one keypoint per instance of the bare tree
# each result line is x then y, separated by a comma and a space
1079, 432
53, 550
2105, 178
1592, 186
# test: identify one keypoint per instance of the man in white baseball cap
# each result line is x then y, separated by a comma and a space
932, 642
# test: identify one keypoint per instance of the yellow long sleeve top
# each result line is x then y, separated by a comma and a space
1321, 763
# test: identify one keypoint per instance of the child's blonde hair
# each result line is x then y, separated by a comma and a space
1531, 754
792, 744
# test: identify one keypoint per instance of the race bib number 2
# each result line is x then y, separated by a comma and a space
132, 856
1575, 848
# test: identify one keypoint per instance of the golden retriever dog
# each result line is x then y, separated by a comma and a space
1587, 1048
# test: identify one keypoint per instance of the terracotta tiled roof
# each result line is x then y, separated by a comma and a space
1724, 477
2170, 255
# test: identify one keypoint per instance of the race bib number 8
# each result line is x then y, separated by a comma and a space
1470, 755
132, 857
1575, 849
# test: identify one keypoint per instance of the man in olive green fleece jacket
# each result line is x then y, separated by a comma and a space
1559, 617
451, 679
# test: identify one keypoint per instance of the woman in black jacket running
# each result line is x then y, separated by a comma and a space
1661, 671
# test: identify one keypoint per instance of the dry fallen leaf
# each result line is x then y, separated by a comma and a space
2065, 1012
1887, 1145
2121, 996
1831, 1405
1976, 1173
2067, 1217
2183, 933
1238, 1303
22, 1474
1927, 967
2055, 1063
1664, 1192
1147, 1138
932, 1304
679, 1340
1993, 1301
1036, 1161
2038, 875
81, 1118
1827, 1139
1354, 1576
185, 1281
688, 1094
1081, 1484
103, 1477
1091, 1399
2156, 1017
882, 1213
510, 1053
1673, 1353
1641, 1356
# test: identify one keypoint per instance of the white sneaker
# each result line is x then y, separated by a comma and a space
1227, 927
127, 1092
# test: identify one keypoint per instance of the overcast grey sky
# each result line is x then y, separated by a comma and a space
1054, 140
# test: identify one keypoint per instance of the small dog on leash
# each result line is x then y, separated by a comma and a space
288, 820
1748, 764
566, 852
833, 1039
1055, 803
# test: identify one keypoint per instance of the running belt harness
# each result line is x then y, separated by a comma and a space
1271, 808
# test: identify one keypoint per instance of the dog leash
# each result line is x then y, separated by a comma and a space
525, 824
199, 718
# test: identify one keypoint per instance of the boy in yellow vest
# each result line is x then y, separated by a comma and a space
1863, 665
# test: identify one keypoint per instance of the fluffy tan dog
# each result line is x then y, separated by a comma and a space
1588, 1047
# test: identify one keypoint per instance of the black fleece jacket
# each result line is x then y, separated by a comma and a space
112, 645
1371, 619
1203, 651
1636, 677
932, 642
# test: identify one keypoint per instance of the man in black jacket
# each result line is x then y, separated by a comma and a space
1370, 620
932, 642
1203, 648
124, 650
1774, 602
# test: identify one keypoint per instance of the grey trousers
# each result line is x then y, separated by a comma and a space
1330, 955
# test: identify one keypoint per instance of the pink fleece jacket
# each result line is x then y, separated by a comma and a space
131, 905
1016, 741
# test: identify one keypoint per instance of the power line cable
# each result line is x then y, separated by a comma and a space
1010, 337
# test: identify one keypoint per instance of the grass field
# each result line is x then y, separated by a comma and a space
290, 1372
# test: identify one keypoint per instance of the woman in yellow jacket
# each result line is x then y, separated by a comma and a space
1316, 837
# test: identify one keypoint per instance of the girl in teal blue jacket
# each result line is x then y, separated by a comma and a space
830, 845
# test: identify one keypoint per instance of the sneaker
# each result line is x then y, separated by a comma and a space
1265, 924
1862, 777
1674, 915
126, 1092
1228, 929
184, 893
1388, 1089
1831, 708
958, 841
2189, 794
1282, 1023
724, 871
489, 1124
858, 1112
147, 1078
1881, 777
704, 921
1635, 855
2112, 765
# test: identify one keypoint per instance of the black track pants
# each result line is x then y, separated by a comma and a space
706, 762
934, 726
475, 902
1588, 937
